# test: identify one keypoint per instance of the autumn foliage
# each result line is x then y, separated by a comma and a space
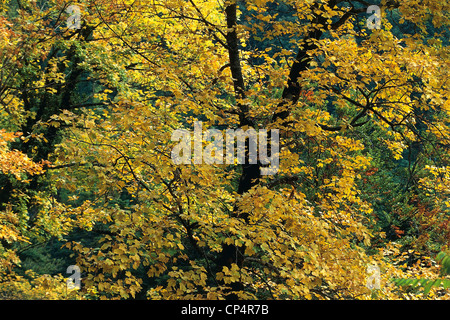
87, 179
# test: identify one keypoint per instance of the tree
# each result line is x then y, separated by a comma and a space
348, 102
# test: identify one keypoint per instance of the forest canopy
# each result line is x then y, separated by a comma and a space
349, 104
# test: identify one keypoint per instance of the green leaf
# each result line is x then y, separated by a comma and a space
430, 284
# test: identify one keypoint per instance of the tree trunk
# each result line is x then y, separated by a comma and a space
250, 175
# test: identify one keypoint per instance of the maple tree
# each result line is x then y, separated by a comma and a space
363, 174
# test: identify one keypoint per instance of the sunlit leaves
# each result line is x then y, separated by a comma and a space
13, 161
114, 91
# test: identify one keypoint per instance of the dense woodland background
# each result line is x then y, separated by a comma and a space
86, 176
